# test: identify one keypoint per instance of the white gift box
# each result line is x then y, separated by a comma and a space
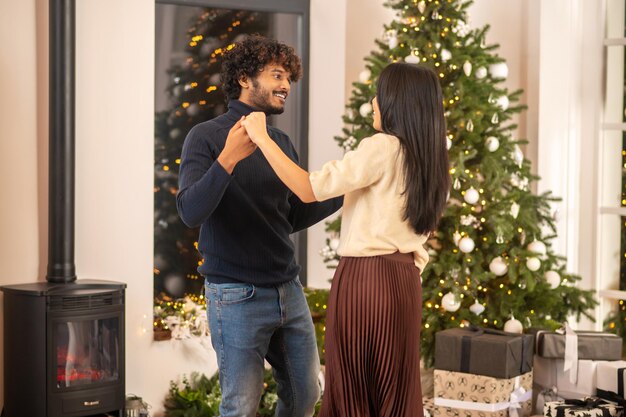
611, 377
549, 374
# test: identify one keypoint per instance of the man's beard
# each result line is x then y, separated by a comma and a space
260, 98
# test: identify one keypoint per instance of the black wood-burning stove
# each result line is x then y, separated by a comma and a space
63, 338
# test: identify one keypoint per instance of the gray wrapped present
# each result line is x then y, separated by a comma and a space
482, 351
588, 407
599, 346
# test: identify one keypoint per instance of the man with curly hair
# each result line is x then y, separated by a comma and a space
255, 304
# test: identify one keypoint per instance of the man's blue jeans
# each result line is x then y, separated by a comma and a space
250, 324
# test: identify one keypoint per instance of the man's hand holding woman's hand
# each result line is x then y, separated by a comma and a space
238, 146
255, 125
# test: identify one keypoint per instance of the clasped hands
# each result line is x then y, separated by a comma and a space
242, 140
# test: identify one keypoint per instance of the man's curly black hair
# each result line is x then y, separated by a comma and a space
250, 56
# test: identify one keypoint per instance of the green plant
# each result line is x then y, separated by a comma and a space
199, 396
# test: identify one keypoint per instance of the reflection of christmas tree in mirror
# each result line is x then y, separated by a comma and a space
193, 95
491, 258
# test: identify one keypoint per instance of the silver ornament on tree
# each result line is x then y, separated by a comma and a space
518, 155
457, 184
495, 119
450, 302
470, 125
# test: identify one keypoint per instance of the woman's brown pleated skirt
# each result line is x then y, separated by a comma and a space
372, 339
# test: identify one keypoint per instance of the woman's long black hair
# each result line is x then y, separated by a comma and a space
411, 108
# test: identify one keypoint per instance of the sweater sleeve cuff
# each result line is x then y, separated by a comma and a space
318, 186
221, 177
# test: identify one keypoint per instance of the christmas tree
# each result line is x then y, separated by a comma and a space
491, 260
194, 96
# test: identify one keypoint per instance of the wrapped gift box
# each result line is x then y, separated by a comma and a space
484, 352
611, 379
588, 407
597, 346
462, 394
550, 376
549, 373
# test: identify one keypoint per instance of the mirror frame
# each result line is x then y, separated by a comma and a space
301, 142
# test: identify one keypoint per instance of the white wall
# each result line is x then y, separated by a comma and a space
115, 146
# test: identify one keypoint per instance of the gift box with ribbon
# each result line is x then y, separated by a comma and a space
588, 407
599, 346
611, 378
550, 376
481, 396
482, 351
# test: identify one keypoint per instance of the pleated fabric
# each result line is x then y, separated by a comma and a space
372, 339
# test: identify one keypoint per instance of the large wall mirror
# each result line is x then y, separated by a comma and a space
190, 38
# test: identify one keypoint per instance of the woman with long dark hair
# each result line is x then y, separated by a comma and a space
395, 185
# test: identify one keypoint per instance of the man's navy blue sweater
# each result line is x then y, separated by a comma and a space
245, 218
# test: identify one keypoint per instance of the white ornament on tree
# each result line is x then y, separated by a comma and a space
498, 266
456, 237
553, 278
495, 119
392, 38
477, 308
467, 68
518, 156
421, 6
499, 70
365, 109
412, 58
471, 196
215, 79
503, 102
481, 73
533, 264
470, 126
492, 143
466, 244
537, 247
450, 302
333, 243
513, 326
365, 76
193, 109
515, 210
448, 143
446, 55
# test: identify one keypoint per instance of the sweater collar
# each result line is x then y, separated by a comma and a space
237, 108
